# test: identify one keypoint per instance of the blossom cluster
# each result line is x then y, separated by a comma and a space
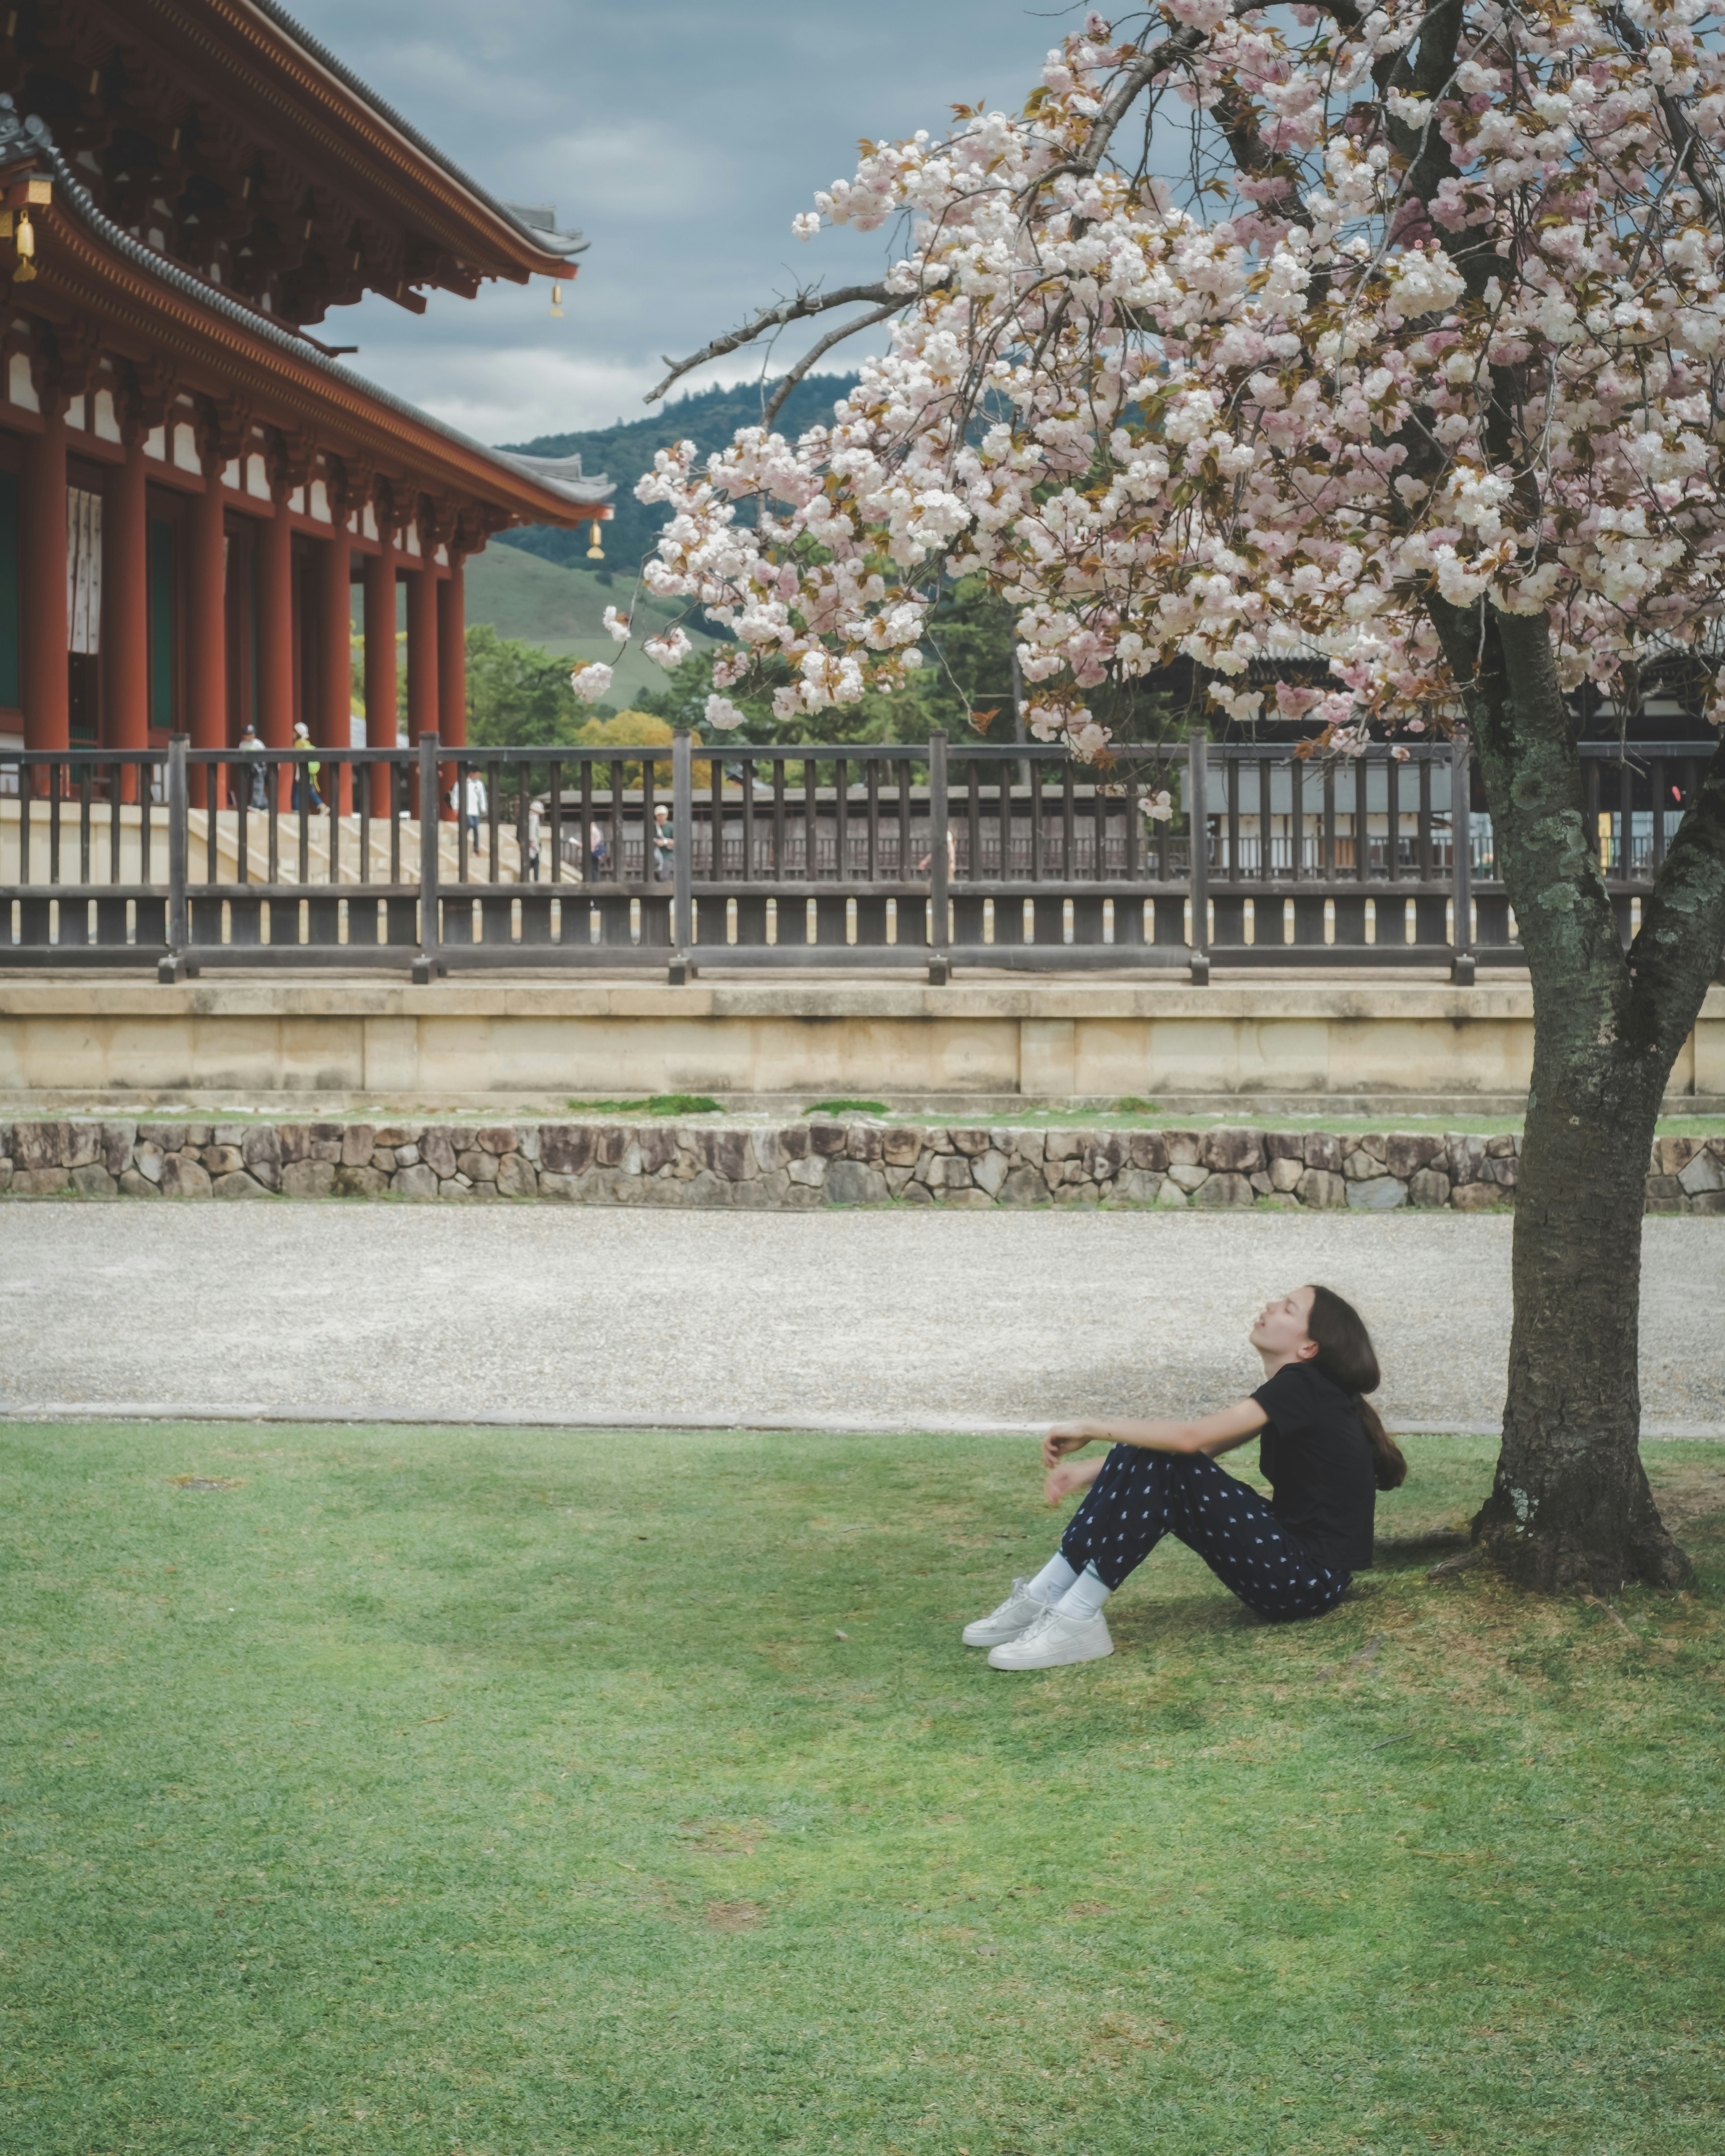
1442, 323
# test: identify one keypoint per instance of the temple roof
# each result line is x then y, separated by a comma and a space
225, 135
539, 225
83, 259
563, 472
542, 224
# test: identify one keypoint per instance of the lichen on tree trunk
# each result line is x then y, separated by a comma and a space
1570, 1504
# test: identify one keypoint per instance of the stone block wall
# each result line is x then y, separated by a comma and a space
852, 1162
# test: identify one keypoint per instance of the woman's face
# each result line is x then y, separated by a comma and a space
1280, 1326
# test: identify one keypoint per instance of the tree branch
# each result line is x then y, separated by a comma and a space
790, 311
1137, 79
1504, 668
1684, 139
1677, 950
776, 402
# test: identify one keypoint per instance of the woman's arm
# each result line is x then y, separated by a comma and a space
1212, 1433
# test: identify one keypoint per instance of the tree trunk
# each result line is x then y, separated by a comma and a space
1570, 1506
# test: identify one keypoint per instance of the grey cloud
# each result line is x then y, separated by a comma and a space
680, 138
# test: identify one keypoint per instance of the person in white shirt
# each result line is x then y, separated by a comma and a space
258, 779
470, 798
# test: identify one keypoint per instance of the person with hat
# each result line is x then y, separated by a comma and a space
305, 775
257, 786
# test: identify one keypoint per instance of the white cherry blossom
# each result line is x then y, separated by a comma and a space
1456, 341
590, 680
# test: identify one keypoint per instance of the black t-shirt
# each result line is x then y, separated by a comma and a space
1317, 1460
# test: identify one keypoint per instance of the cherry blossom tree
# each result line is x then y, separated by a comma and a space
1390, 332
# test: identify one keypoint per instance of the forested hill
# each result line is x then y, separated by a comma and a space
708, 417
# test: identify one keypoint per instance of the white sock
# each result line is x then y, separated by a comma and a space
1084, 1599
1051, 1583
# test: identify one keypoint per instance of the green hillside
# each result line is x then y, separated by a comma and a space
562, 610
708, 417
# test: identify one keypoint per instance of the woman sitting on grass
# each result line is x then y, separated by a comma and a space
1324, 1454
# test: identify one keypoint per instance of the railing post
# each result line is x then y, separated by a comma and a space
940, 903
1198, 853
1461, 958
681, 969
173, 967
430, 837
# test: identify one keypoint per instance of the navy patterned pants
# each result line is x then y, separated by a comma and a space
1141, 1496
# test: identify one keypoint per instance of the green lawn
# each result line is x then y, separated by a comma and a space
535, 1793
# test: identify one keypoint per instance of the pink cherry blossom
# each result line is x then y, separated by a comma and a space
1453, 341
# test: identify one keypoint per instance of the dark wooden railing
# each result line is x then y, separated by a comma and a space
737, 855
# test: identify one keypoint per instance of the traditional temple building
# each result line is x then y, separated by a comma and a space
191, 482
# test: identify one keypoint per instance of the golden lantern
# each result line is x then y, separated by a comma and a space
595, 552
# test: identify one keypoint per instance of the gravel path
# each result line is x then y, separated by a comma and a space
859, 1320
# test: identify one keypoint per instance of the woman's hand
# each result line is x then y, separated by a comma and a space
1072, 1474
1066, 1437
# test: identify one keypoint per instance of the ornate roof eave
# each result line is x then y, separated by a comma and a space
151, 310
270, 61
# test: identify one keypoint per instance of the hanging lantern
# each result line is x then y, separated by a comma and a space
556, 303
595, 552
24, 237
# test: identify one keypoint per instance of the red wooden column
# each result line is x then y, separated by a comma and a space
335, 703
127, 607
206, 628
47, 632
423, 713
380, 663
452, 653
275, 629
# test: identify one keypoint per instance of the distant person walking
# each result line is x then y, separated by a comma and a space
306, 795
258, 779
1323, 1452
664, 843
469, 799
479, 804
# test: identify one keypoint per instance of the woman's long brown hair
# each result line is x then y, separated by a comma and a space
1347, 1357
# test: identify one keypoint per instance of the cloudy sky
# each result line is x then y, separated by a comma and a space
681, 137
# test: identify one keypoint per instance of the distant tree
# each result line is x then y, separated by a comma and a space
629, 729
517, 695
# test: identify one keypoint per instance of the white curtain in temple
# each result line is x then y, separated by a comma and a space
83, 569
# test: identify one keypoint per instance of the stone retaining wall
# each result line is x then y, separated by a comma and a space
852, 1163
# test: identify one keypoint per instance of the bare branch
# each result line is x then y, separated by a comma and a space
776, 402
1181, 45
1125, 95
776, 318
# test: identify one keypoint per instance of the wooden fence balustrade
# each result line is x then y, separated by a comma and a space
924, 855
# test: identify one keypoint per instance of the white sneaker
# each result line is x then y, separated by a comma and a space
1054, 1640
1016, 1614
